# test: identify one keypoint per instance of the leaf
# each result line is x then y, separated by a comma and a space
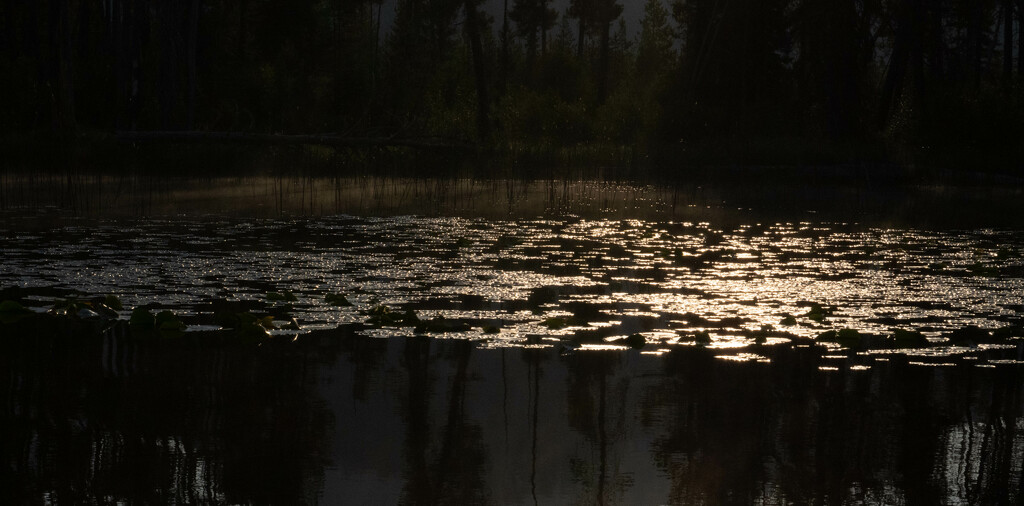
286, 296
13, 307
337, 299
142, 318
113, 302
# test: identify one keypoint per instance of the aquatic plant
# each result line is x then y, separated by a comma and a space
409, 318
491, 329
1006, 253
542, 295
980, 269
506, 241
12, 311
441, 324
555, 322
337, 299
788, 319
847, 338
969, 335
113, 302
692, 262
13, 307
561, 322
142, 318
167, 321
908, 339
1008, 332
285, 296
246, 325
82, 309
817, 312
383, 315
702, 337
636, 341
761, 336
291, 324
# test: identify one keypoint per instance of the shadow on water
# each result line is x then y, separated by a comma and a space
335, 417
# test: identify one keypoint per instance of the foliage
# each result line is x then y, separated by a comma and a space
337, 299
286, 296
697, 82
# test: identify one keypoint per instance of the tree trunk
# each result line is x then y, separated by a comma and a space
376, 47
974, 34
894, 74
191, 48
543, 40
242, 4
473, 31
602, 68
504, 45
1007, 41
579, 46
62, 83
1020, 37
168, 19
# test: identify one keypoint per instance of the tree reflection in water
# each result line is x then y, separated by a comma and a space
337, 417
98, 419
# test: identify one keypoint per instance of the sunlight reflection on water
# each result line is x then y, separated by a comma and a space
604, 277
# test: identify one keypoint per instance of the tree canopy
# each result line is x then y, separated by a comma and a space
910, 78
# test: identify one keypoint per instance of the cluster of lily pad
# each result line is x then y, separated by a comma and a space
382, 315
98, 313
103, 313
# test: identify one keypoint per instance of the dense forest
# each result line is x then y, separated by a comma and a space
706, 81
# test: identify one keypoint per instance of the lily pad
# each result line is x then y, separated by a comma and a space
142, 318
113, 302
13, 307
286, 296
847, 338
383, 315
909, 339
702, 337
561, 322
636, 341
441, 324
166, 321
337, 299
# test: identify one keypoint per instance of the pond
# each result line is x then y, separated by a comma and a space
703, 356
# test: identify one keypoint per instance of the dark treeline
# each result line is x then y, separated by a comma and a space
709, 81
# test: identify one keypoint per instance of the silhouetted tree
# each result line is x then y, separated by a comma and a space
830, 63
603, 13
533, 19
732, 65
654, 48
479, 71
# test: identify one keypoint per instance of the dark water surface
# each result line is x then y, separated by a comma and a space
561, 364
338, 418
